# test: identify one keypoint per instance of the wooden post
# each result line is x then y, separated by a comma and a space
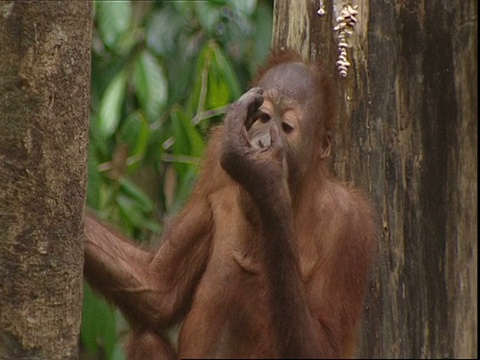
407, 134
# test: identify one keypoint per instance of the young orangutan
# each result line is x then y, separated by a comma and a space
271, 255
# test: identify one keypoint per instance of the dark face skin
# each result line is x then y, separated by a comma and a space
289, 103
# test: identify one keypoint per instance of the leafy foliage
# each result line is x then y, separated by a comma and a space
163, 73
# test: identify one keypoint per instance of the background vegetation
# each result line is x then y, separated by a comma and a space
162, 74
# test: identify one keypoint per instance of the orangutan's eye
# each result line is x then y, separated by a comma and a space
287, 128
264, 117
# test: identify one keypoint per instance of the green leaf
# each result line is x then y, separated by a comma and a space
98, 330
228, 75
200, 86
209, 14
131, 212
188, 140
218, 92
111, 104
150, 84
118, 353
244, 7
136, 133
136, 194
163, 29
152, 226
262, 36
94, 181
113, 20
220, 85
98, 142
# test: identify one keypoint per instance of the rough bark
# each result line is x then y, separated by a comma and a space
44, 109
407, 134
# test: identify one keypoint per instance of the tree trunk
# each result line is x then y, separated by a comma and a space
407, 134
44, 110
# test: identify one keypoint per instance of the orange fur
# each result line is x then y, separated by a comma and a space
263, 261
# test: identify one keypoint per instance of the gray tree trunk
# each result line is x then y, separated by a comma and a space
407, 134
44, 110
